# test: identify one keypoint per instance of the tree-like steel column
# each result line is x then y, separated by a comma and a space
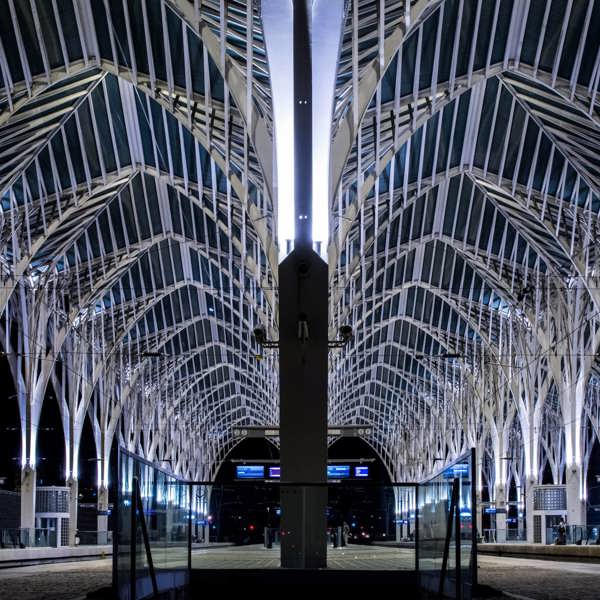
303, 293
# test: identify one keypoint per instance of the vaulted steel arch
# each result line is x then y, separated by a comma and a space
135, 165
464, 160
144, 41
189, 165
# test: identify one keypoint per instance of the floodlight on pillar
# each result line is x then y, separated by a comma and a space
345, 336
260, 335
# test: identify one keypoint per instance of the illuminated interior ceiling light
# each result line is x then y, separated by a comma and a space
278, 30
277, 24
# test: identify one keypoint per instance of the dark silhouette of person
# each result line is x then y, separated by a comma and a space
561, 539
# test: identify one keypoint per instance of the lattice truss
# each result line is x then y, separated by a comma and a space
465, 193
136, 224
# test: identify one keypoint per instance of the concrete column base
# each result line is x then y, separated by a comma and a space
73, 486
28, 491
102, 515
501, 509
531, 482
303, 355
576, 506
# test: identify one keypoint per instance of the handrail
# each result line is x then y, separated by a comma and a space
451, 518
140, 510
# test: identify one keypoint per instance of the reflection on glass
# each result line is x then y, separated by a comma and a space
165, 510
445, 559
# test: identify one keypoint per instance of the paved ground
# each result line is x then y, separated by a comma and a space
350, 557
526, 578
541, 579
57, 581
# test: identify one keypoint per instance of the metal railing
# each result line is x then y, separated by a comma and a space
580, 535
501, 536
14, 538
17, 537
573, 534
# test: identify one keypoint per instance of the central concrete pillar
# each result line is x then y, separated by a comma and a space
303, 409
28, 491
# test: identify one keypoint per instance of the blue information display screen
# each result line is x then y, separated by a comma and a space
250, 472
457, 470
361, 471
333, 472
338, 471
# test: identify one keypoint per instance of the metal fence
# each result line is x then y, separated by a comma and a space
574, 534
501, 536
28, 538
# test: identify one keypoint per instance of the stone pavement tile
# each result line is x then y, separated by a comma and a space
541, 580
58, 581
534, 579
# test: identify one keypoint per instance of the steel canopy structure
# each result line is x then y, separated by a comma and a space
139, 250
464, 197
137, 226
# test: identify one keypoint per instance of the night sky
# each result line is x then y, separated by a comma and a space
51, 445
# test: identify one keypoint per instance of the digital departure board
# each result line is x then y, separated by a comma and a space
274, 472
250, 472
361, 472
338, 471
